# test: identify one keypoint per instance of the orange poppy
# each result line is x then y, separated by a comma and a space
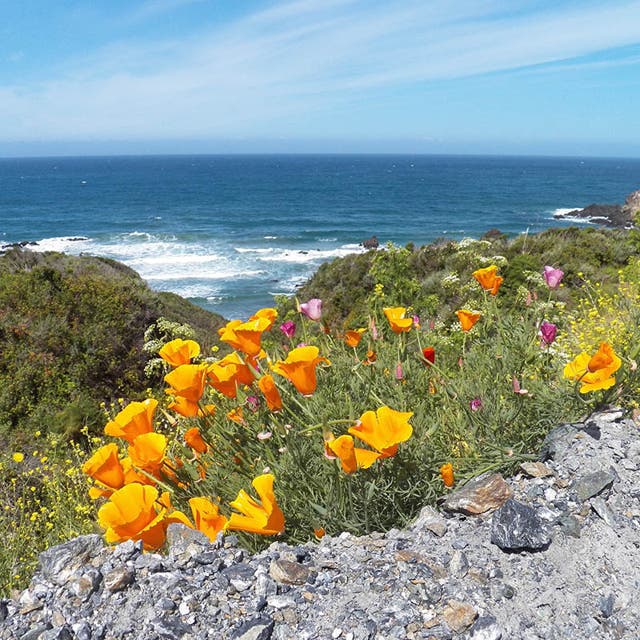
147, 451
467, 319
383, 429
135, 419
351, 457
189, 409
264, 517
594, 372
395, 316
372, 356
136, 512
268, 313
446, 473
488, 279
245, 336
194, 440
236, 415
271, 394
299, 368
105, 467
187, 381
230, 372
179, 351
206, 517
352, 338
429, 355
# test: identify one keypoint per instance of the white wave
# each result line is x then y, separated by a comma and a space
74, 244
212, 274
310, 255
253, 250
270, 237
562, 213
327, 239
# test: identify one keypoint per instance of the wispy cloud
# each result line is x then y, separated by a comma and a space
299, 58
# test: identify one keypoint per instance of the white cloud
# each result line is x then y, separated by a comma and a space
295, 59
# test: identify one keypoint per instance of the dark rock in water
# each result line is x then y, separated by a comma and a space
517, 526
483, 494
591, 485
370, 243
611, 215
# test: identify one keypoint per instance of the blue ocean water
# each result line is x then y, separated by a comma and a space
229, 232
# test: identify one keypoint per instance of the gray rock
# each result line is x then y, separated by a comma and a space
59, 563
482, 494
486, 628
517, 526
256, 629
592, 484
558, 442
604, 511
287, 572
119, 578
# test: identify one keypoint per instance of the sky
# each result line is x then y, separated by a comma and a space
543, 77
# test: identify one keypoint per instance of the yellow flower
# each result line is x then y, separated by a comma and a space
488, 279
264, 517
179, 352
18, 457
594, 372
383, 429
395, 316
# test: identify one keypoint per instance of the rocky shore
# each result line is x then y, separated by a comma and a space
551, 553
611, 215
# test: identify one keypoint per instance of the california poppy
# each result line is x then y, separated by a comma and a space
206, 517
467, 319
179, 352
397, 321
299, 368
193, 439
105, 467
268, 313
383, 429
268, 387
488, 279
245, 336
147, 451
264, 517
351, 457
136, 418
446, 473
229, 373
594, 372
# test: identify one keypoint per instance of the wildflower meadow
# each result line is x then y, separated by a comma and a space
288, 428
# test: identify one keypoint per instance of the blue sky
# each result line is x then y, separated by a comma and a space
426, 76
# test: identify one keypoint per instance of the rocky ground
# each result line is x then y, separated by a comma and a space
551, 553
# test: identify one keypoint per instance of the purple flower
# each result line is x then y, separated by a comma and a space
475, 404
552, 277
312, 309
547, 332
253, 402
288, 328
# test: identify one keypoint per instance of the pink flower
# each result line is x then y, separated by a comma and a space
312, 309
399, 372
517, 389
552, 277
373, 329
253, 402
288, 328
475, 404
547, 332
416, 321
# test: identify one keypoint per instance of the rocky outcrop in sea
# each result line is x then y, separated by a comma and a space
610, 215
551, 553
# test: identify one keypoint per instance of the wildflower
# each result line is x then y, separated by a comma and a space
288, 328
467, 319
372, 356
17, 457
137, 512
147, 451
475, 404
319, 532
270, 391
552, 277
264, 435
416, 321
245, 336
299, 368
264, 517
383, 429
312, 309
194, 440
187, 383
229, 373
351, 457
399, 372
517, 389
134, 420
373, 329
352, 338
105, 467
267, 313
253, 402
594, 372
395, 316
488, 279
547, 332
236, 415
179, 352
206, 517
446, 473
429, 355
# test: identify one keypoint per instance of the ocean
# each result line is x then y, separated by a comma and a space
229, 232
